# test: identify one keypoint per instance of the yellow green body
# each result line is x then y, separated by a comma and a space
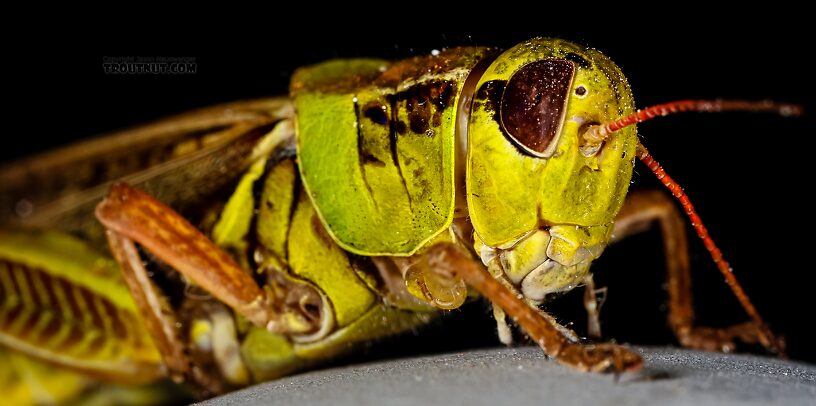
386, 155
376, 145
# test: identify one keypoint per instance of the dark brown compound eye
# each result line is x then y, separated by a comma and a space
534, 102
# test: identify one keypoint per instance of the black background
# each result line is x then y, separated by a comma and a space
747, 174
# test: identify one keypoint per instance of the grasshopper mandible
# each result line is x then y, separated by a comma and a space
357, 208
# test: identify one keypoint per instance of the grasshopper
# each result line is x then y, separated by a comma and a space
246, 241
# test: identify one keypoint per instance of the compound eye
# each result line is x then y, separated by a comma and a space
534, 103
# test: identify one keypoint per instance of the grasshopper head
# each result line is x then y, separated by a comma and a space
530, 171
551, 146
528, 165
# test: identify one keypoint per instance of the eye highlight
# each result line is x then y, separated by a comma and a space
534, 103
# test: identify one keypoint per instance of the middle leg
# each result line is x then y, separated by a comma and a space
641, 211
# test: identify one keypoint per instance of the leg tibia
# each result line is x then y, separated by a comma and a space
641, 211
541, 328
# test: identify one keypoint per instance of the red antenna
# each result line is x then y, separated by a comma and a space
768, 339
598, 133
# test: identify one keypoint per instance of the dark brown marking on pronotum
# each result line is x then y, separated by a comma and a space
401, 128
417, 107
425, 102
534, 102
372, 160
361, 152
376, 113
413, 68
442, 96
396, 128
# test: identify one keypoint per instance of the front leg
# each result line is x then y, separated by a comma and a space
593, 307
542, 329
642, 210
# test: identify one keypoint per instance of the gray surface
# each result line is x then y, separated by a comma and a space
521, 376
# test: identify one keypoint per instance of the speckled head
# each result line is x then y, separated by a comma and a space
527, 165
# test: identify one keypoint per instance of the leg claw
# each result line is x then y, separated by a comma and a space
724, 339
602, 358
